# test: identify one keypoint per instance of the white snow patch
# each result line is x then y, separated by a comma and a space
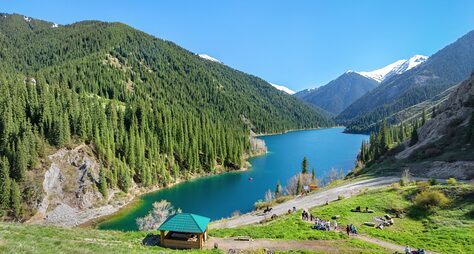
283, 88
395, 68
208, 57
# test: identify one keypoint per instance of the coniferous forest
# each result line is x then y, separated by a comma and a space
151, 110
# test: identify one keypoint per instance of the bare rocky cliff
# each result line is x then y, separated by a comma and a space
442, 150
70, 186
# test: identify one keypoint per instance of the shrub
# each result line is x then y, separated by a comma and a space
422, 185
396, 186
340, 197
431, 199
160, 212
451, 181
433, 181
405, 180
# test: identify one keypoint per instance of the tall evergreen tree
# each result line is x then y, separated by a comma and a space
5, 183
278, 189
299, 186
304, 166
15, 200
414, 137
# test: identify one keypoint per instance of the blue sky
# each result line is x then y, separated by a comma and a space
299, 44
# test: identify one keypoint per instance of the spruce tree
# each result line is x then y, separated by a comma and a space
414, 137
304, 166
278, 189
5, 183
103, 184
299, 187
15, 200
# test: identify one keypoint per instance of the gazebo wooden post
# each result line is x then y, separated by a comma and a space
200, 240
162, 237
207, 234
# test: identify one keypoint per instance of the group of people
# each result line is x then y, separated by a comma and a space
408, 250
319, 224
351, 229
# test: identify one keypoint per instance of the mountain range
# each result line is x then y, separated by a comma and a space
444, 69
341, 92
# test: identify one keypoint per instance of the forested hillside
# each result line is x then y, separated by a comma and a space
440, 147
151, 110
444, 69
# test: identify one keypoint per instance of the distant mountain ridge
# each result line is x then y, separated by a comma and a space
444, 69
341, 92
398, 67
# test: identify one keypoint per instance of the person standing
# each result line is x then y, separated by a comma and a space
348, 230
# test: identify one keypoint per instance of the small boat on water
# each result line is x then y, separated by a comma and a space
250, 178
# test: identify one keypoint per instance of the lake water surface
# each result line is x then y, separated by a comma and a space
220, 195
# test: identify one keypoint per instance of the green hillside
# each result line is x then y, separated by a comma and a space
152, 111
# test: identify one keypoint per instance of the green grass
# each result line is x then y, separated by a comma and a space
448, 230
18, 238
291, 227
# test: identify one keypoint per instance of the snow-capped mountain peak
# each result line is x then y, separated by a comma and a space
398, 67
283, 88
208, 57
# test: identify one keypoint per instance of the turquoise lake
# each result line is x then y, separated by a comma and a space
220, 195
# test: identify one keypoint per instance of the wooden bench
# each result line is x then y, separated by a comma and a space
243, 238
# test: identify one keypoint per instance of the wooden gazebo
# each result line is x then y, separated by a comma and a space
184, 231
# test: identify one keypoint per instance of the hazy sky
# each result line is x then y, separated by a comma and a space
299, 44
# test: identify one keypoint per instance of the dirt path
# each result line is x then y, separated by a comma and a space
306, 202
227, 244
328, 246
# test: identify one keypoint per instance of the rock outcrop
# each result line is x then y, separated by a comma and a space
71, 195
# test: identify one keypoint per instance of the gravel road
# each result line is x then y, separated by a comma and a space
306, 202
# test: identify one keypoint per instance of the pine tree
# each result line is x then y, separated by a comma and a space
304, 166
278, 189
103, 184
313, 176
299, 187
414, 137
5, 183
15, 199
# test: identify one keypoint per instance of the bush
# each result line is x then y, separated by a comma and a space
431, 199
451, 181
340, 197
433, 181
422, 185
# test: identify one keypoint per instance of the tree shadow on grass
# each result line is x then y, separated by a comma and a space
417, 212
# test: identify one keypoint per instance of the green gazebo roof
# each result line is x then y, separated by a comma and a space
185, 223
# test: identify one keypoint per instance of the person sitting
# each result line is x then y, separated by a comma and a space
407, 250
354, 230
